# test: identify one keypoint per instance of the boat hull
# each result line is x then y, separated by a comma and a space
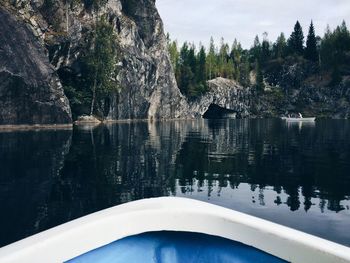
80, 236
299, 119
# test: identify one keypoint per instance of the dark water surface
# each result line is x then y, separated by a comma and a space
295, 175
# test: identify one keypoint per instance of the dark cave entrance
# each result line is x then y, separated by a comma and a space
216, 112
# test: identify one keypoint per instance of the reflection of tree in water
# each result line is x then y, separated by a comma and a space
119, 163
312, 162
53, 182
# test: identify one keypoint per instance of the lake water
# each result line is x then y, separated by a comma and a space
295, 175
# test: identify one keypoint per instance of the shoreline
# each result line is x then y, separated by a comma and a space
33, 127
70, 126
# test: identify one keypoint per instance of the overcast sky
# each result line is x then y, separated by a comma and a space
197, 20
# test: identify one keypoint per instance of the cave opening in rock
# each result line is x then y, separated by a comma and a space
216, 112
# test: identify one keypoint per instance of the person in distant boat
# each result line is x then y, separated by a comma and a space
300, 116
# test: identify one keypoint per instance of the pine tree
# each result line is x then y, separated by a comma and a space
236, 57
259, 77
211, 65
280, 46
265, 48
255, 51
342, 38
222, 60
336, 76
327, 48
184, 75
174, 54
311, 45
201, 73
296, 40
244, 78
100, 62
191, 58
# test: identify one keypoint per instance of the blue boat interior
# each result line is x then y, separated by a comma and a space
175, 247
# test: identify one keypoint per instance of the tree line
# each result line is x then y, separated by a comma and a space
194, 66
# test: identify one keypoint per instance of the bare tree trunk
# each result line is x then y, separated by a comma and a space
67, 17
95, 78
210, 69
93, 95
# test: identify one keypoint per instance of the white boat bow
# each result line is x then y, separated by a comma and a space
77, 237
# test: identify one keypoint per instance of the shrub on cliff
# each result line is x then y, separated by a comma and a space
100, 63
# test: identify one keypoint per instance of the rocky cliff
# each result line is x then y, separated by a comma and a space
30, 91
48, 46
55, 35
225, 98
148, 85
300, 86
59, 33
42, 49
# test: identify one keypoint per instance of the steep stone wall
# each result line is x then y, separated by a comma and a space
58, 34
148, 85
225, 93
55, 38
30, 91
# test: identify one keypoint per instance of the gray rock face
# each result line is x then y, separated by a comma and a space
30, 91
225, 93
148, 85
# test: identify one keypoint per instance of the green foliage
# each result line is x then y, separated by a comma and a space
282, 63
49, 11
89, 91
259, 85
100, 62
243, 77
296, 40
201, 67
211, 60
173, 52
311, 52
193, 68
94, 4
280, 47
255, 51
190, 69
265, 49
335, 45
336, 77
79, 99
335, 49
225, 66
187, 70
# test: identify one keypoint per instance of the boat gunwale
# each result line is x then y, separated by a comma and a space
171, 214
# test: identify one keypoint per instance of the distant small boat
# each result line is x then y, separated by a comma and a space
312, 119
172, 230
289, 119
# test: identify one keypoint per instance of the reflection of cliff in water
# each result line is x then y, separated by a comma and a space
108, 165
30, 164
113, 164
